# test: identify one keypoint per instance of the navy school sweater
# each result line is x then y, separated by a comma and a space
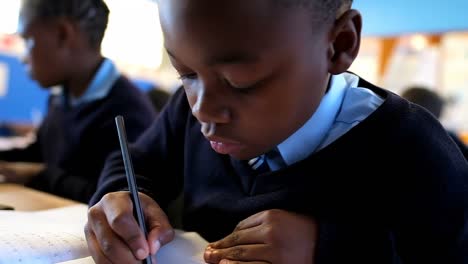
74, 142
394, 189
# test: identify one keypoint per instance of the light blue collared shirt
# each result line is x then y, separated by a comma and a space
344, 106
101, 84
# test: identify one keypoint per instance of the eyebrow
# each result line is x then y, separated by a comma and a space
230, 58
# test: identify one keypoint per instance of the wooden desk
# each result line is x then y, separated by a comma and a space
27, 199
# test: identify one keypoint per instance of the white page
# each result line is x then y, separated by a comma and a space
48, 236
7, 143
87, 260
186, 248
56, 236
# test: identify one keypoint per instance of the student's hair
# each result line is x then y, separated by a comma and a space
324, 10
426, 98
91, 15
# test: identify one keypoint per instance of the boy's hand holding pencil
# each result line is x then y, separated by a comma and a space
117, 225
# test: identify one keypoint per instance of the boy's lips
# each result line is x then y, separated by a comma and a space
223, 146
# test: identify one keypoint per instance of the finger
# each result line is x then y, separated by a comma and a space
94, 248
256, 252
109, 243
239, 237
160, 230
118, 209
252, 221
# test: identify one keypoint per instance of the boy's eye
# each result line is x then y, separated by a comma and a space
243, 88
188, 76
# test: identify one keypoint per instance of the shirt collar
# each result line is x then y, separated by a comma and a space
100, 85
306, 140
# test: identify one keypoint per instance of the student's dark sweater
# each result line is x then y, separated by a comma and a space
74, 142
394, 189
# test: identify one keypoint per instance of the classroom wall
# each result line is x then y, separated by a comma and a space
409, 16
21, 100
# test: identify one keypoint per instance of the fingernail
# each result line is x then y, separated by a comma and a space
156, 245
208, 253
141, 254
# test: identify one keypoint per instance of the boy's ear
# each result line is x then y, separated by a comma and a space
66, 32
345, 41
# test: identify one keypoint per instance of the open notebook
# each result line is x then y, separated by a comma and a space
56, 236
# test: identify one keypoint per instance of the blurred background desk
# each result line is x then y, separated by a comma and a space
26, 199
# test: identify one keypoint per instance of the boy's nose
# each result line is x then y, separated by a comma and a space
209, 108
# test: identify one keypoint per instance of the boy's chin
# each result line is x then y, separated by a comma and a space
46, 85
243, 156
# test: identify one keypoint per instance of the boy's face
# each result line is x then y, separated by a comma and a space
256, 70
43, 54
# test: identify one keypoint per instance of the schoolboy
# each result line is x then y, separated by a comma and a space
281, 155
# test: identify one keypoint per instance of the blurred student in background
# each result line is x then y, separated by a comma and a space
435, 104
63, 40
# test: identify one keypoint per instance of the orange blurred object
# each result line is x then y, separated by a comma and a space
464, 137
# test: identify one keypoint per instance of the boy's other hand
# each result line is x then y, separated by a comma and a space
19, 172
113, 234
273, 237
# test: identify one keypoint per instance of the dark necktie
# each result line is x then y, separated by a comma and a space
260, 165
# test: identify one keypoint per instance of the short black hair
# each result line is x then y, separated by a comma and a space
426, 98
325, 10
91, 15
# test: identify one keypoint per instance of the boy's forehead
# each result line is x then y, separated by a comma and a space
232, 16
186, 9
213, 32
198, 21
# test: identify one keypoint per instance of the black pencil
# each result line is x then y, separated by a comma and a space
132, 186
